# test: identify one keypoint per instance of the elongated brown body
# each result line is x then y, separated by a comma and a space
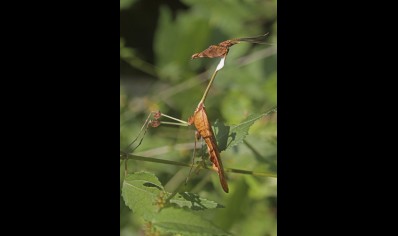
202, 124
221, 50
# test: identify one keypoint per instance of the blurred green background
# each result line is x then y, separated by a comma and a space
157, 39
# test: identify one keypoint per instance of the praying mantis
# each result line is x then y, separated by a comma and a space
200, 118
203, 130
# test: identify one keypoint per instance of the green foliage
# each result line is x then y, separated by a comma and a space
140, 191
185, 222
145, 195
174, 53
168, 213
231, 136
155, 198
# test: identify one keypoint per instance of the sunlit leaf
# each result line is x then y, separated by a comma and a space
180, 221
140, 192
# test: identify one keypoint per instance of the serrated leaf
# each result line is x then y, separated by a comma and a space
140, 192
229, 136
193, 201
180, 221
242, 129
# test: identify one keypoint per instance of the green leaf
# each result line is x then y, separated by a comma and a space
144, 194
140, 192
182, 222
193, 201
229, 136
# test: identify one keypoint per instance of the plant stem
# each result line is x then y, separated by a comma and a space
273, 175
149, 159
219, 67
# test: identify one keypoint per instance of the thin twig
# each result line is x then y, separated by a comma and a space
150, 159
248, 172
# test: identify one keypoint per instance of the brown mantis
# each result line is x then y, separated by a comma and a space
202, 124
199, 118
203, 129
